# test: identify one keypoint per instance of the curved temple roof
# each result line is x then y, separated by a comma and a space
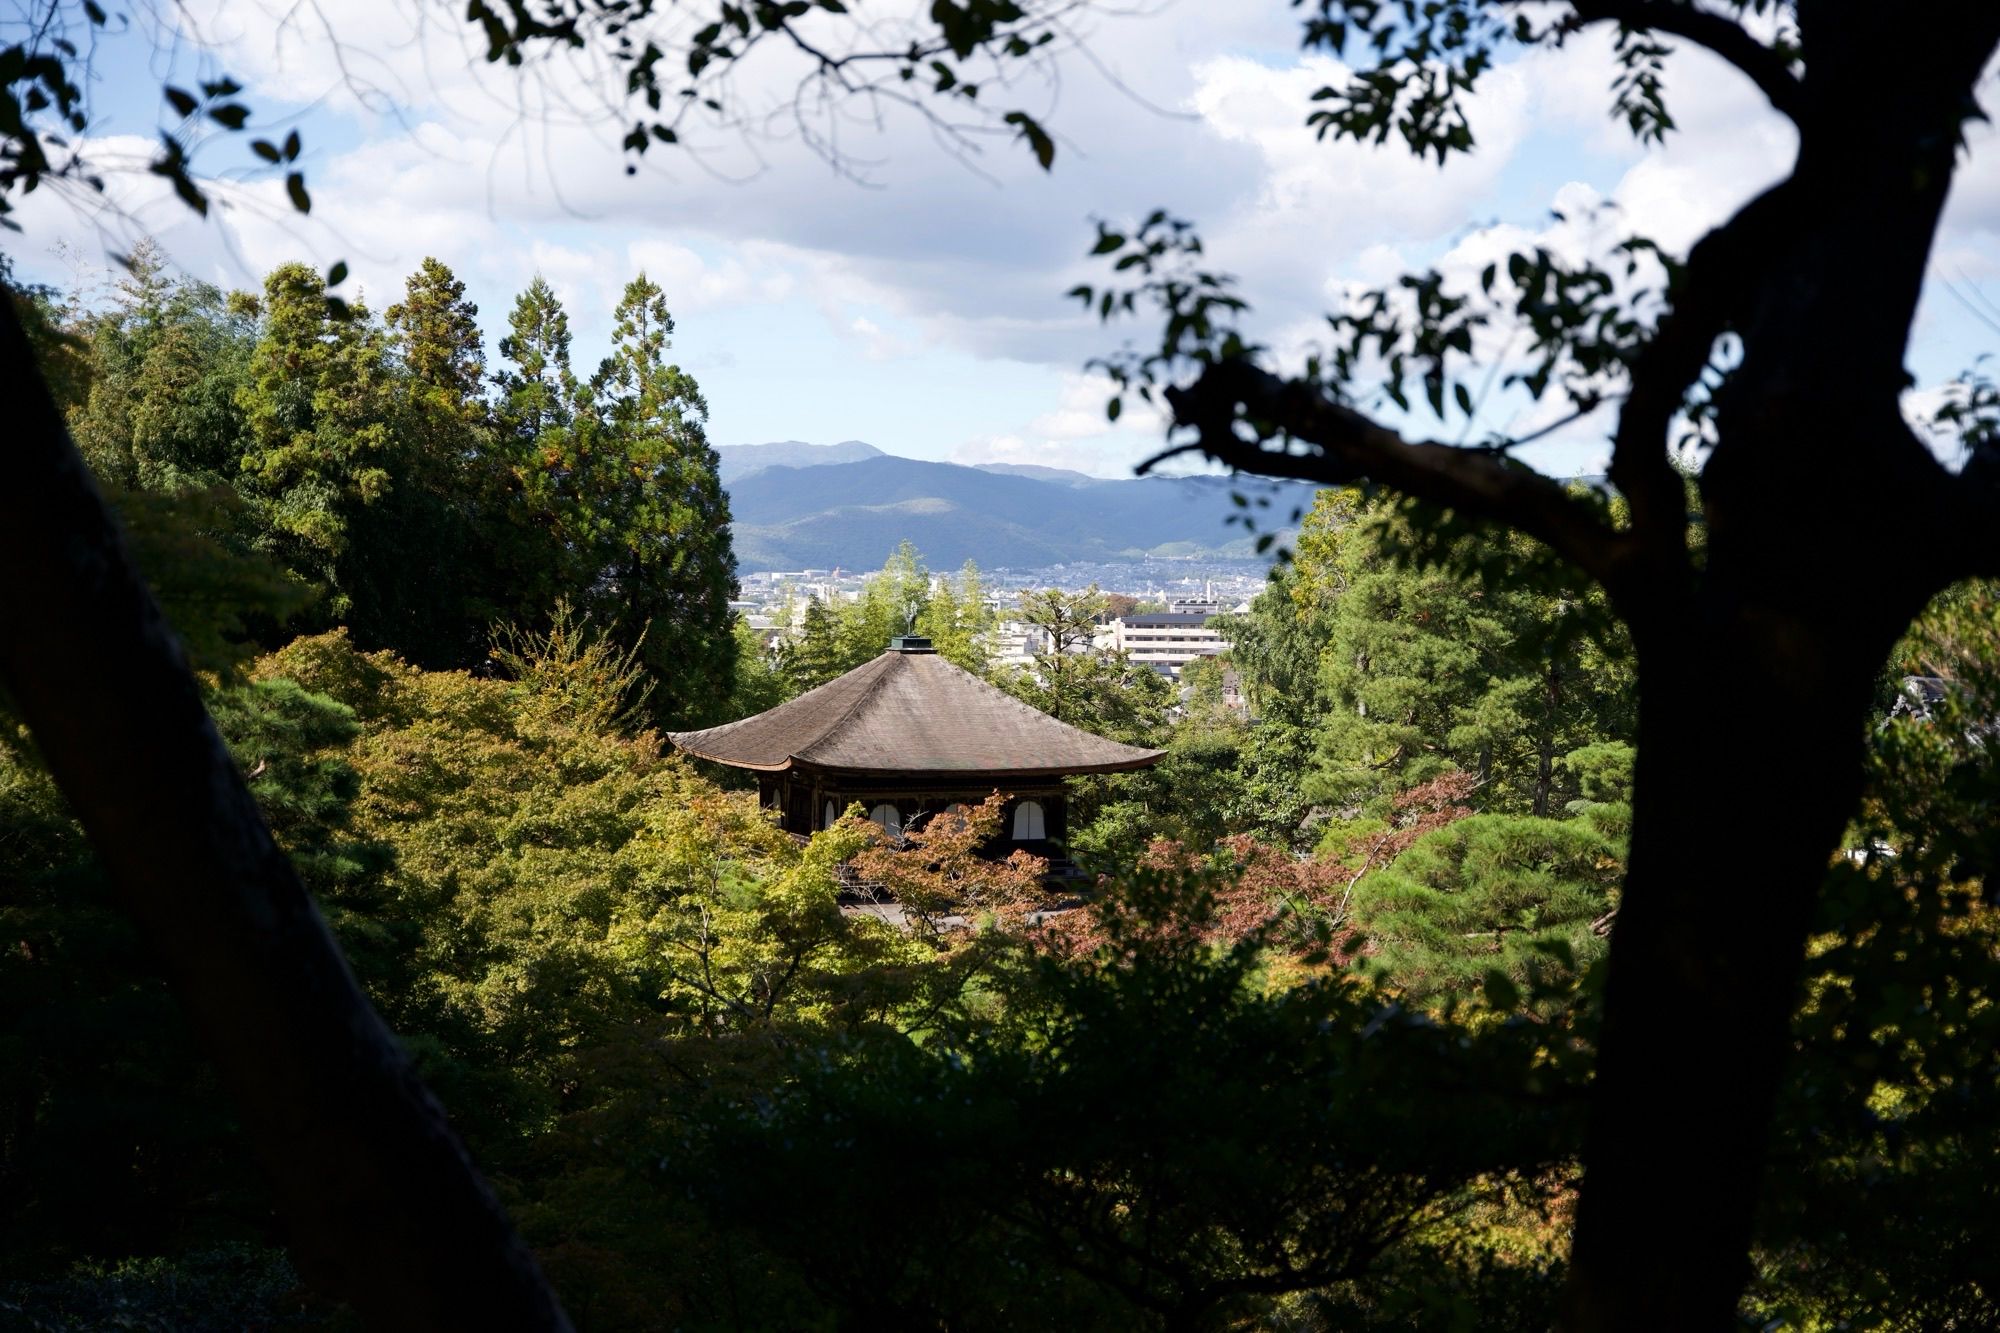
910, 711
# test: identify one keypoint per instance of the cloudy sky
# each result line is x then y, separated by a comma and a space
911, 295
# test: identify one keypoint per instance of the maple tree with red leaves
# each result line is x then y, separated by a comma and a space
1299, 902
937, 872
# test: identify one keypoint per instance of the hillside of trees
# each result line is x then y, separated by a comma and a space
836, 514
1314, 1054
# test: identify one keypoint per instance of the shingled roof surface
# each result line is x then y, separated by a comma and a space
910, 712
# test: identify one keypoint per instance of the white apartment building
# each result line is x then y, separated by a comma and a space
1166, 640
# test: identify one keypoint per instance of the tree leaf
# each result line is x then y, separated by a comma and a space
1038, 138
190, 194
295, 186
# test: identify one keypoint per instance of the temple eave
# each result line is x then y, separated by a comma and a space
969, 776
972, 775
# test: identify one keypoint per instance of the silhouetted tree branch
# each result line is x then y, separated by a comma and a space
1767, 67
1476, 482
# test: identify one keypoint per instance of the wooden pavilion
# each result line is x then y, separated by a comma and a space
908, 735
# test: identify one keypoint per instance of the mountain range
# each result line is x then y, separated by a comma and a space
804, 506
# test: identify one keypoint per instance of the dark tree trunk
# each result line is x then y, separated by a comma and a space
1824, 515
383, 1206
1746, 775
1829, 525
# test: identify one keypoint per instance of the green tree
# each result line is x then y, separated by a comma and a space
1105, 1146
1429, 666
813, 654
892, 602
1881, 1180
901, 598
1069, 681
437, 336
318, 408
958, 620
542, 389
651, 511
545, 552
169, 359
1527, 898
421, 566
154, 409
761, 682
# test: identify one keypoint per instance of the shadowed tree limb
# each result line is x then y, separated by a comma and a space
1475, 482
383, 1207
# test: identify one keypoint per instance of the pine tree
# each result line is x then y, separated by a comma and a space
813, 655
1513, 894
1069, 681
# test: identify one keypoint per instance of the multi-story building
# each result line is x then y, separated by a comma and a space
1166, 640
1016, 643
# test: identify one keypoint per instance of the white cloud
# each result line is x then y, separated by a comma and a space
694, 282
429, 150
1070, 455
1076, 434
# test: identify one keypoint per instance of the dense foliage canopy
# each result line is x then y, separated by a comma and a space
1211, 1095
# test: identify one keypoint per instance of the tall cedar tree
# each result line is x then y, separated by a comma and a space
656, 522
539, 397
319, 407
419, 570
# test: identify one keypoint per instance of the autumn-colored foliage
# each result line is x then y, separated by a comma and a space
1298, 904
936, 870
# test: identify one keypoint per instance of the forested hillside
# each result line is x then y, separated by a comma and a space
836, 514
